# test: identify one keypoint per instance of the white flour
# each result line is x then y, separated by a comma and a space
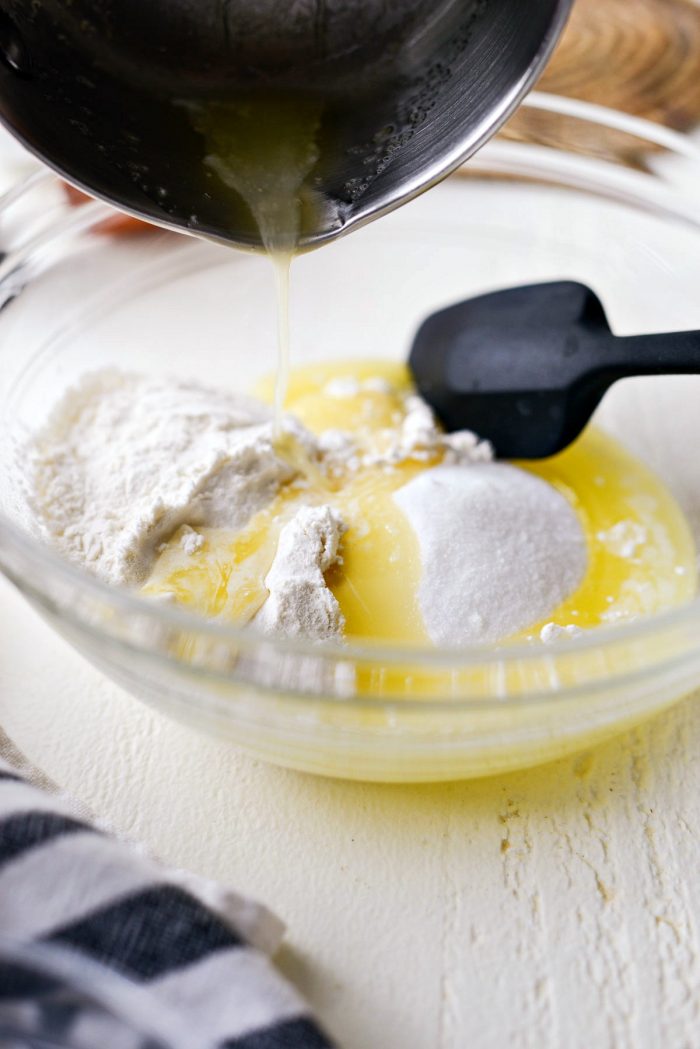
191, 541
500, 549
125, 460
300, 604
551, 633
418, 437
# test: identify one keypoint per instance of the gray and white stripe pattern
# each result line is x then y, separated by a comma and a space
194, 955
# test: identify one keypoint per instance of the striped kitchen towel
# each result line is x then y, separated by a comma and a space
192, 958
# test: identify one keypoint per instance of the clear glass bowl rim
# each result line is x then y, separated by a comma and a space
33, 551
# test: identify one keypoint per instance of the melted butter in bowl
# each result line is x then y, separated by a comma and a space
192, 496
638, 554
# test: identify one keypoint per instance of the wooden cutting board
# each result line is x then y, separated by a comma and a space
638, 56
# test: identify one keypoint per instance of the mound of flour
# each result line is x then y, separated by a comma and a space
299, 603
126, 459
500, 549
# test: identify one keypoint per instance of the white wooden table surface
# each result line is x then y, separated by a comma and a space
559, 907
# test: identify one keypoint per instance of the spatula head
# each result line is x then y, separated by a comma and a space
520, 367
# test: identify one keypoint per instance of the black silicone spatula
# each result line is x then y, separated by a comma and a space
526, 367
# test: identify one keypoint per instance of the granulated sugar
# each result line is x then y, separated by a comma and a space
500, 550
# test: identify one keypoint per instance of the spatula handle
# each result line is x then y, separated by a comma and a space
671, 353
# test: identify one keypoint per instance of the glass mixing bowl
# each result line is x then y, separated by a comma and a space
619, 211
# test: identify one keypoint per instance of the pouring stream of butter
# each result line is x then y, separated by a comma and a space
264, 151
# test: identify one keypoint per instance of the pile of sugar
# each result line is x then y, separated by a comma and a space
500, 550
